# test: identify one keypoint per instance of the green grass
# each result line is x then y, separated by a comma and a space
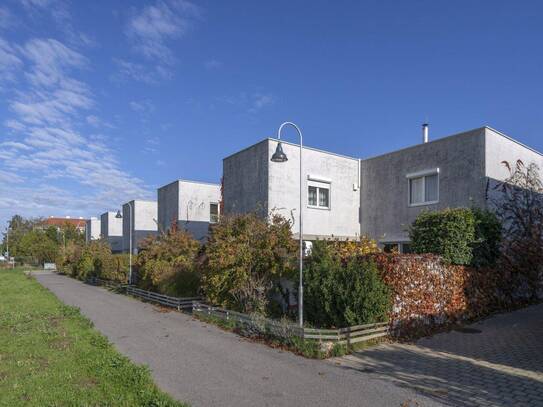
50, 355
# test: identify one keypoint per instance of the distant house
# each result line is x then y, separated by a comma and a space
59, 223
190, 205
378, 197
92, 230
143, 223
112, 230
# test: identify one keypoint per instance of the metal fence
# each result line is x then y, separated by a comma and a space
166, 300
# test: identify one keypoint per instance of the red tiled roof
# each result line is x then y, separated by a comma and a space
78, 223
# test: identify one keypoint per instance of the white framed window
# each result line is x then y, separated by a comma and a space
423, 187
318, 195
213, 212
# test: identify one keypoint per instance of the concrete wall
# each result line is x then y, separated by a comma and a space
188, 204
385, 211
168, 205
252, 183
142, 225
245, 184
320, 168
499, 148
92, 229
112, 230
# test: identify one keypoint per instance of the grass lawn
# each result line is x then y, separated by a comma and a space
50, 355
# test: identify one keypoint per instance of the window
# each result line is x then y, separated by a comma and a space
424, 188
213, 212
318, 196
397, 247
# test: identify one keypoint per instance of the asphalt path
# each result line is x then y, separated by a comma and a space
203, 365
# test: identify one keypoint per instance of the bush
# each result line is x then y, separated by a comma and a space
488, 234
339, 293
167, 264
244, 258
449, 233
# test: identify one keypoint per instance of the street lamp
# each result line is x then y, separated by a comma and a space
280, 157
119, 216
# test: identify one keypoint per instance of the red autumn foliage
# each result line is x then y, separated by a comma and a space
428, 293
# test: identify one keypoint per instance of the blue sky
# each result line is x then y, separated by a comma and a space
104, 101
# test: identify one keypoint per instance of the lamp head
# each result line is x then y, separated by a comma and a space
279, 156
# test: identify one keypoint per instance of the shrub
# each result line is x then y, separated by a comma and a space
167, 264
348, 249
520, 207
244, 258
449, 233
488, 234
339, 293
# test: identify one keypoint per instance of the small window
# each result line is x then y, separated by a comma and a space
391, 248
213, 212
318, 197
424, 189
406, 248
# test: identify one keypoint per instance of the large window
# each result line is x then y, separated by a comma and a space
424, 188
318, 195
213, 212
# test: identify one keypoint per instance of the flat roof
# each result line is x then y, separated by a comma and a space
291, 144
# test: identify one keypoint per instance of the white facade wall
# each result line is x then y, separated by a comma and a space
112, 230
320, 169
92, 229
188, 204
142, 224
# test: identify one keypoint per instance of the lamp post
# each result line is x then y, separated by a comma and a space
119, 216
7, 245
280, 157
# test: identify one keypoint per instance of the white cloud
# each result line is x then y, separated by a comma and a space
212, 64
251, 102
155, 25
59, 168
141, 73
151, 31
9, 61
260, 101
143, 106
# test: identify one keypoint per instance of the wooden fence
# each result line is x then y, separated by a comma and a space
258, 324
346, 336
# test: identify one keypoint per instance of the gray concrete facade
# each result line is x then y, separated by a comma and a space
112, 230
468, 165
189, 205
252, 183
378, 197
141, 225
92, 229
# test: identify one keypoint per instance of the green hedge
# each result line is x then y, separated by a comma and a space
340, 294
461, 235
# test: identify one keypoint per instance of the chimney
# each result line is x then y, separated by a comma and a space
425, 133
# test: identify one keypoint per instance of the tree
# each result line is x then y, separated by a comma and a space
244, 258
167, 263
520, 208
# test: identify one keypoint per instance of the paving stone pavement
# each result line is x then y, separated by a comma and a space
497, 362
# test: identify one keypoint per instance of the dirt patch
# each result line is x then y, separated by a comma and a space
87, 382
61, 343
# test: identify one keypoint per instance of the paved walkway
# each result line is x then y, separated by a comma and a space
496, 362
205, 366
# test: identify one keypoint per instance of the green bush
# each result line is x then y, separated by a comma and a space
488, 235
461, 236
244, 258
449, 233
167, 264
343, 294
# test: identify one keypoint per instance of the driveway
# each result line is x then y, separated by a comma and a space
205, 366
496, 362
